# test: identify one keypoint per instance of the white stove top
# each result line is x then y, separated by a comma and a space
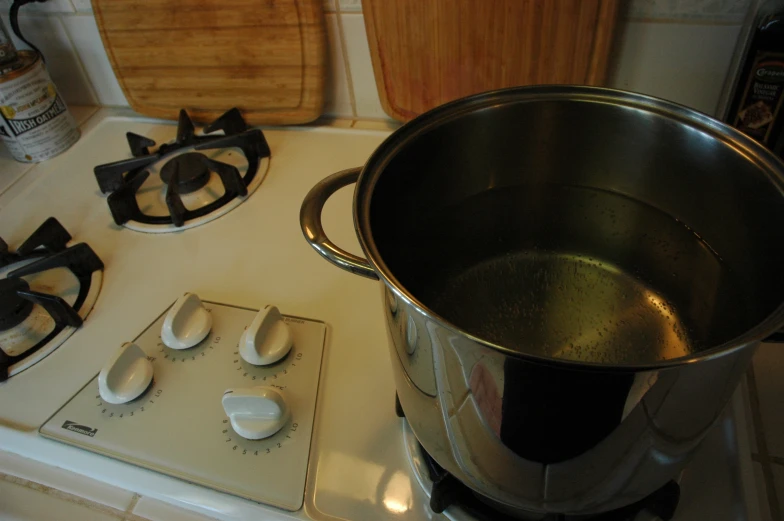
250, 257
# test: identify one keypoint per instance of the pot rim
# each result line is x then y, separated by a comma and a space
764, 159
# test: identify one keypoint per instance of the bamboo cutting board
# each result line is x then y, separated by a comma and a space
266, 57
429, 52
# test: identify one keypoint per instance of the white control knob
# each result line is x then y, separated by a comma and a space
267, 339
257, 412
187, 323
125, 376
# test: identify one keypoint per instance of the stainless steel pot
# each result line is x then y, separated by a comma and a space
575, 280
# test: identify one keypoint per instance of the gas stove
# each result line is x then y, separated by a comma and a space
350, 457
47, 289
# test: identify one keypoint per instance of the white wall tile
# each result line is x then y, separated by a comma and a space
48, 34
364, 83
83, 5
768, 371
338, 98
725, 11
50, 6
83, 32
333, 122
155, 510
651, 56
21, 503
64, 480
388, 125
679, 62
348, 6
82, 113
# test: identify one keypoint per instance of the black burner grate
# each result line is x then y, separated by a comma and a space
44, 250
449, 491
122, 179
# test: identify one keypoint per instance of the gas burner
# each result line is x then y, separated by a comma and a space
190, 169
47, 288
188, 182
458, 502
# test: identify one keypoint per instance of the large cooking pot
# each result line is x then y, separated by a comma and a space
575, 280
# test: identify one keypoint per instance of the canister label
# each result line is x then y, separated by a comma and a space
35, 123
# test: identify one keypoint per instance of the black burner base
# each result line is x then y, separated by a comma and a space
13, 308
192, 171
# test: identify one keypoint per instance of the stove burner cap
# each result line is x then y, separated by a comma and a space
193, 172
13, 308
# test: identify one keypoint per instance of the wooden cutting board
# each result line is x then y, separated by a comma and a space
429, 52
266, 57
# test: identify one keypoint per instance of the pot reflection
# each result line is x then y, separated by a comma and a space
546, 438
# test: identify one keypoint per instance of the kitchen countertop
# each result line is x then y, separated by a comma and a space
13, 171
33, 490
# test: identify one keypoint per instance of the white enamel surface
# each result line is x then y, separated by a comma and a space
126, 375
267, 339
11, 169
187, 323
358, 467
256, 412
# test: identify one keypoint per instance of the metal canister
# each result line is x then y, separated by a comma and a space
35, 123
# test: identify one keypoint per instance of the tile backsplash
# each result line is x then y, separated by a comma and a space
729, 11
656, 41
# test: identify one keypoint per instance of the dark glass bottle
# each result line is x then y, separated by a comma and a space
9, 59
756, 108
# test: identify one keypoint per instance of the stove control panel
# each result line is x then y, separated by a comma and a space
214, 394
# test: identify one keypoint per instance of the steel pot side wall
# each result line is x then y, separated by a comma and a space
548, 438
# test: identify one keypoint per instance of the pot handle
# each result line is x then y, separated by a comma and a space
310, 220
